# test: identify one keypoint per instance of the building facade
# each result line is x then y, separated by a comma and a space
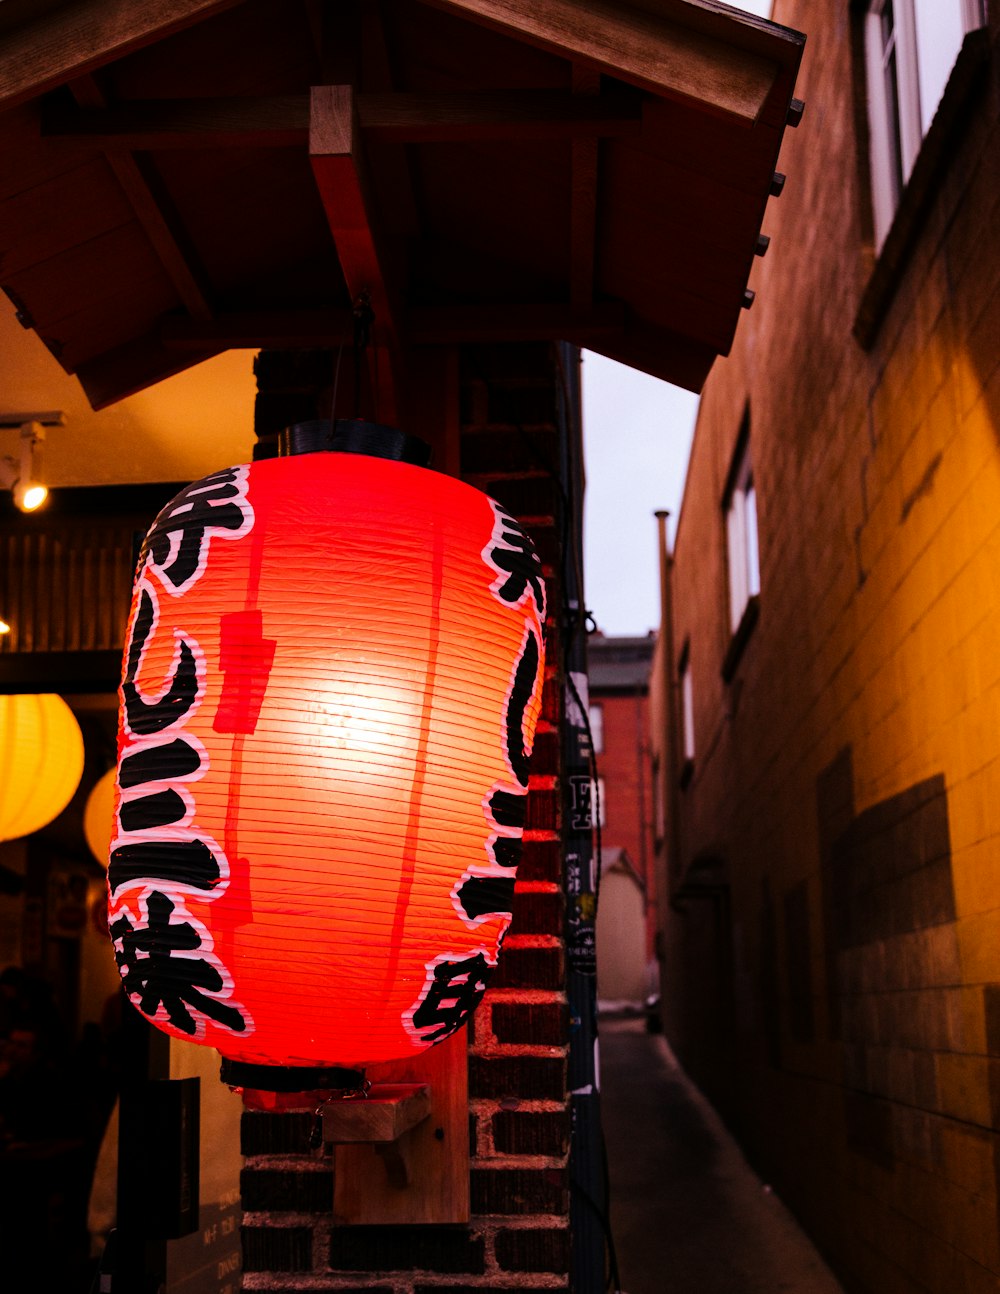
828, 698
618, 670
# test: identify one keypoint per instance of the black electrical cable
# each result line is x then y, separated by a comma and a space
571, 558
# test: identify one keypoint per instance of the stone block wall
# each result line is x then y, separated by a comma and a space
846, 779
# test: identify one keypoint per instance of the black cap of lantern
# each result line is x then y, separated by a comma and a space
353, 436
291, 1078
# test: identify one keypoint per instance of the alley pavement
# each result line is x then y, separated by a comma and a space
689, 1214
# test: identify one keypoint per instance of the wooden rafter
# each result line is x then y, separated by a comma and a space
498, 114
427, 326
152, 210
444, 325
72, 39
155, 124
338, 168
257, 329
283, 121
583, 198
641, 46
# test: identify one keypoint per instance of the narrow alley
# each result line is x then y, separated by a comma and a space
689, 1214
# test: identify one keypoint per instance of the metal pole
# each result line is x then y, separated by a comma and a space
588, 1185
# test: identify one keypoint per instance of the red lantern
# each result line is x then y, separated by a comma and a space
331, 685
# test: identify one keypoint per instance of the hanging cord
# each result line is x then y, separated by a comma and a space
364, 317
336, 384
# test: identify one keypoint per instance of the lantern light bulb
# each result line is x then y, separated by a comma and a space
30, 496
4, 627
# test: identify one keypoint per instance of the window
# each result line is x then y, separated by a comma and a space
686, 690
740, 506
596, 715
597, 802
910, 48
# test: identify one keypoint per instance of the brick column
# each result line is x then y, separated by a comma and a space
519, 1115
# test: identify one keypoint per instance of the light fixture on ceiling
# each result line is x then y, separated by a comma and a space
23, 475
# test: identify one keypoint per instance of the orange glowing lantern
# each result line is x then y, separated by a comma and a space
41, 761
332, 680
99, 817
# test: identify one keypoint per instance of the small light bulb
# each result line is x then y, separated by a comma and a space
4, 627
31, 496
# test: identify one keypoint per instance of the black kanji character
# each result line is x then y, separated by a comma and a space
486, 896
147, 717
508, 808
159, 763
181, 862
525, 678
505, 850
452, 995
513, 554
147, 812
160, 978
176, 540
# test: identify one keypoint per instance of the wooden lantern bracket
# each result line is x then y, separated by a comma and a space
383, 1119
415, 1120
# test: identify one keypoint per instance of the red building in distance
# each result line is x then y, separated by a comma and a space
619, 724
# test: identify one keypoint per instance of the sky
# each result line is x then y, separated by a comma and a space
637, 434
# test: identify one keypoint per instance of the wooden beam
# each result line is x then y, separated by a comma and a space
426, 326
152, 124
132, 367
283, 121
163, 231
154, 213
583, 197
497, 114
338, 168
260, 329
643, 48
65, 42
441, 325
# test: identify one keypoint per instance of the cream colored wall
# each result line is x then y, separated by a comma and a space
875, 658
177, 430
621, 940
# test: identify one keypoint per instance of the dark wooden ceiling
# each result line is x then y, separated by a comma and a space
182, 176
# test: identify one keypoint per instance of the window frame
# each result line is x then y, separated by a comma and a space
598, 800
896, 130
685, 714
742, 539
595, 721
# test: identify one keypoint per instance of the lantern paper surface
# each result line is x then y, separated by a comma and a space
41, 761
332, 679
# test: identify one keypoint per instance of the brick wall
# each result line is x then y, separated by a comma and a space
625, 766
519, 1117
846, 779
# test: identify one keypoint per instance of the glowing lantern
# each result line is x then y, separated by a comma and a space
41, 761
99, 817
332, 679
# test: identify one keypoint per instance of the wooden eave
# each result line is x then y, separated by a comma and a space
184, 176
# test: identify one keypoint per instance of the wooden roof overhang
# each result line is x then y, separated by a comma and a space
179, 177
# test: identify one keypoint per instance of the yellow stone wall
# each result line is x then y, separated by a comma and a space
847, 777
